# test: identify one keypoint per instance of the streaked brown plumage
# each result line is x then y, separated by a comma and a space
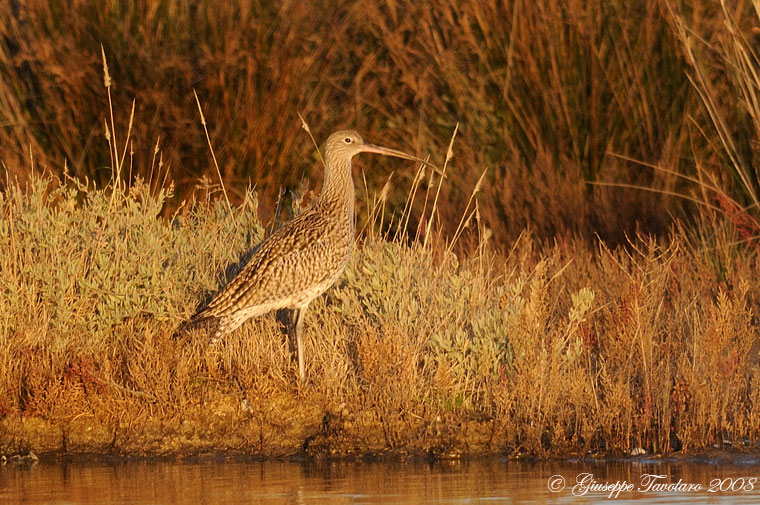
301, 260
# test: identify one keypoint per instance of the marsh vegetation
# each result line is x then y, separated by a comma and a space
531, 310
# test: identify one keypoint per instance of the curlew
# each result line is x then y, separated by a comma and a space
306, 256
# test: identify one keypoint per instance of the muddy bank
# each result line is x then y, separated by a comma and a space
27, 441
232, 427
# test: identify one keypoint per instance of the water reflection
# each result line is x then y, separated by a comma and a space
457, 482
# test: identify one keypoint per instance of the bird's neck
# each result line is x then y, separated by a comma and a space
338, 187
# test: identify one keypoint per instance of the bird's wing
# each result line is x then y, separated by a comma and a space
301, 254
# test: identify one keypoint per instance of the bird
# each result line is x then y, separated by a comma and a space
303, 258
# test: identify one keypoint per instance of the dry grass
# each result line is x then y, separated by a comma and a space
541, 102
547, 351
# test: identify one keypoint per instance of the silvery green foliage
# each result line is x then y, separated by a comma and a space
88, 259
460, 324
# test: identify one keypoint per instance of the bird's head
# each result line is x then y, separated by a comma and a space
344, 144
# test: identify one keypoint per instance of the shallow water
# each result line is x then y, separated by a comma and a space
458, 482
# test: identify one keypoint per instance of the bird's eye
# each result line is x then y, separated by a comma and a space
347, 140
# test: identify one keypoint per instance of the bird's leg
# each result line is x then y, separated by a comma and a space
300, 313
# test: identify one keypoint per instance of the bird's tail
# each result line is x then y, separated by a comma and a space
200, 316
199, 319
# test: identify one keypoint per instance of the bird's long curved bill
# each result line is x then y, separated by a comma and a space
372, 148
